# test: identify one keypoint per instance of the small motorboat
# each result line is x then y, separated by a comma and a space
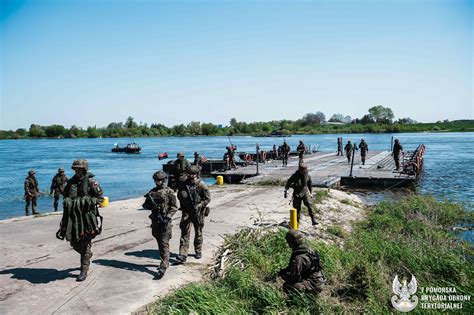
129, 148
162, 156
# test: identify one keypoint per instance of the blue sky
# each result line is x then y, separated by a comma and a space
94, 62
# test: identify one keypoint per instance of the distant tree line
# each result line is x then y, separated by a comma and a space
378, 120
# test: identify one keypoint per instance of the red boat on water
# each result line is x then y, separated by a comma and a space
162, 156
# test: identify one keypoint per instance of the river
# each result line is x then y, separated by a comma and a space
448, 164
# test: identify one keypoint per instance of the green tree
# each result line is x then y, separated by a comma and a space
130, 123
55, 131
381, 114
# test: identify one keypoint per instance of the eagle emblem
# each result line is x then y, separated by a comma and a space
404, 299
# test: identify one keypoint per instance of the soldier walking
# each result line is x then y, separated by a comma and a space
304, 272
397, 149
285, 152
194, 196
31, 192
163, 205
301, 183
339, 146
348, 149
80, 221
57, 186
301, 149
198, 162
364, 148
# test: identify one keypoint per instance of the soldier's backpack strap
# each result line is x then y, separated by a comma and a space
101, 220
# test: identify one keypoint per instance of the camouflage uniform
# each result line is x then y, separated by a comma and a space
231, 158
339, 147
301, 183
301, 149
304, 271
31, 192
181, 166
57, 186
285, 151
80, 221
194, 196
397, 148
364, 148
198, 162
163, 205
348, 149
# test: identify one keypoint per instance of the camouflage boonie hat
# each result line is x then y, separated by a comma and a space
193, 169
61, 170
80, 164
31, 172
295, 237
160, 175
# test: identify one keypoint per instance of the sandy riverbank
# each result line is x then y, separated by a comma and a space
37, 271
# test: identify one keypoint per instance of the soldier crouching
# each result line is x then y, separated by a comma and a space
194, 196
80, 221
304, 271
163, 205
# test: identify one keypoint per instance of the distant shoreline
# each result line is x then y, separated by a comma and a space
258, 129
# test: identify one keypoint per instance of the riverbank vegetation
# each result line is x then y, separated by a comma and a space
411, 236
379, 120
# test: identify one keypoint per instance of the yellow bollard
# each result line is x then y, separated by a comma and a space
220, 180
104, 203
293, 219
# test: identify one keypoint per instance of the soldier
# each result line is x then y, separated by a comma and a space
397, 148
301, 149
231, 157
31, 192
348, 149
181, 166
198, 162
304, 272
301, 183
339, 146
194, 196
364, 148
163, 205
57, 186
80, 221
285, 151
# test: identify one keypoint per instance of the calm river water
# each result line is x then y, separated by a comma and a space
448, 168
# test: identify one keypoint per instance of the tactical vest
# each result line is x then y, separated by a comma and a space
313, 257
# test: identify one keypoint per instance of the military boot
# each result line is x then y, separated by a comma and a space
82, 276
198, 255
161, 273
181, 258
313, 220
85, 263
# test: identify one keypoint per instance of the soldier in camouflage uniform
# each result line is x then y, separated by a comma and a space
285, 151
198, 162
304, 271
163, 205
348, 149
194, 196
57, 186
80, 221
339, 146
301, 149
31, 192
364, 148
397, 148
180, 169
301, 183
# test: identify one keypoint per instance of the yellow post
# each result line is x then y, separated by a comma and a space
293, 219
220, 180
104, 203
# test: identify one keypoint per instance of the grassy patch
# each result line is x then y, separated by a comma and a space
337, 230
319, 195
409, 236
272, 182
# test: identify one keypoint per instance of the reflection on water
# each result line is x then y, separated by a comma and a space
448, 168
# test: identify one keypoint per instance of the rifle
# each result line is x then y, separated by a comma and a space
156, 211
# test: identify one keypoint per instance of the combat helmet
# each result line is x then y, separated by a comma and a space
80, 164
193, 169
294, 238
31, 172
159, 175
180, 154
60, 170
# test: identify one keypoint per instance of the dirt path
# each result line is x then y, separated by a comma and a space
37, 271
